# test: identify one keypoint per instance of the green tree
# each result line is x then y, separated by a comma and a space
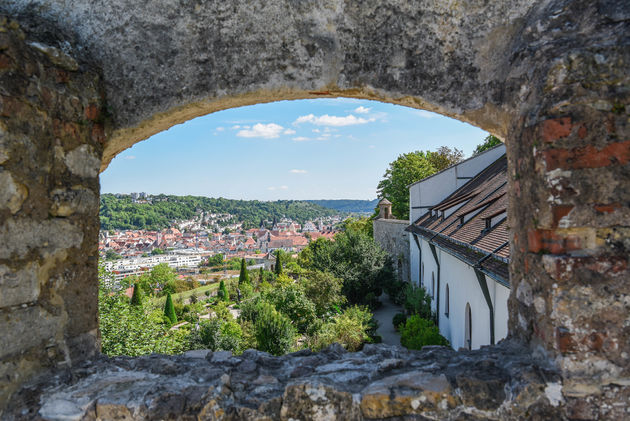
324, 290
278, 269
223, 292
169, 309
243, 277
418, 332
409, 168
112, 255
260, 275
161, 275
353, 257
273, 330
291, 301
489, 142
136, 298
216, 260
157, 251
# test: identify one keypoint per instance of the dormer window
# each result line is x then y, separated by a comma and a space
493, 220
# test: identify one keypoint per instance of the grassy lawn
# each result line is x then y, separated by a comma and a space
199, 292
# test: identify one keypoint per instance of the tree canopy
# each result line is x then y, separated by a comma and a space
489, 142
409, 168
121, 212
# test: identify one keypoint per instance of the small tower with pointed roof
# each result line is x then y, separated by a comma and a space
385, 209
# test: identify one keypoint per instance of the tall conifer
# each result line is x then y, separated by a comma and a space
136, 298
279, 270
169, 309
243, 278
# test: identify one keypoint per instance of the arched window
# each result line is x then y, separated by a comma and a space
446, 302
433, 285
468, 328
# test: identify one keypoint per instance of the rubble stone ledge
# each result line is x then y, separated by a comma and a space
381, 381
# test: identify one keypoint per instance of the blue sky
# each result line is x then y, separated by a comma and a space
308, 149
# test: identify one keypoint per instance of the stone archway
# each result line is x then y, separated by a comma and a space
81, 81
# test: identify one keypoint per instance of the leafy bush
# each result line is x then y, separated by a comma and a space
396, 291
418, 332
324, 290
348, 329
291, 301
399, 319
273, 330
418, 301
217, 335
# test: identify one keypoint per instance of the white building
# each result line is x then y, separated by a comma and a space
459, 248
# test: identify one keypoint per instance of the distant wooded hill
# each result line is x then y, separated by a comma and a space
119, 212
347, 205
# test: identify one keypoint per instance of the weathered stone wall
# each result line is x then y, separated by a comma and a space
391, 235
51, 141
550, 77
380, 382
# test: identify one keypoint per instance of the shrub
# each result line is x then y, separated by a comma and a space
418, 332
417, 301
217, 335
273, 330
371, 300
348, 329
399, 319
207, 293
193, 298
291, 301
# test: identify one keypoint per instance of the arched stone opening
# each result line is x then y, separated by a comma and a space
550, 77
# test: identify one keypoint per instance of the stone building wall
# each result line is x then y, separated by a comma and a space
391, 236
51, 141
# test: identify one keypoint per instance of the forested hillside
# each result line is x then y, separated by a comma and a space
122, 213
347, 205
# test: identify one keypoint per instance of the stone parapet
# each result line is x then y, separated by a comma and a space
381, 381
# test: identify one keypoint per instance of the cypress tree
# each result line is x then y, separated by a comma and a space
136, 298
260, 276
169, 309
223, 294
244, 276
278, 265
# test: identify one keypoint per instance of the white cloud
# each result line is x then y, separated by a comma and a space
283, 187
272, 188
265, 131
362, 110
316, 131
331, 120
236, 127
289, 131
423, 114
371, 146
220, 129
129, 157
301, 139
298, 171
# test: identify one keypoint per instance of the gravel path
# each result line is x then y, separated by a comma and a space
384, 315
